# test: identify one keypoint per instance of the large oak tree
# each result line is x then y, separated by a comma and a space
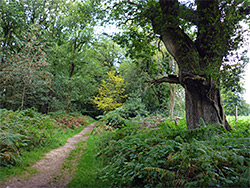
201, 57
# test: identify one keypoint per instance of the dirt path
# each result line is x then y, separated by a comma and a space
50, 166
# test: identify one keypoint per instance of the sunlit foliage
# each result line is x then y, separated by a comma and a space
111, 93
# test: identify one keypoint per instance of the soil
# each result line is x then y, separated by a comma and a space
50, 172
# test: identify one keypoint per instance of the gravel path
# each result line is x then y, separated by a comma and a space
51, 166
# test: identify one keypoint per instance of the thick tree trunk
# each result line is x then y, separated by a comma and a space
203, 102
199, 106
198, 60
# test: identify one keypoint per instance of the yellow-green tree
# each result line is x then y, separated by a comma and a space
111, 93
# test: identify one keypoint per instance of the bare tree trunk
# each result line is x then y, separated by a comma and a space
68, 99
172, 65
236, 113
172, 104
23, 94
76, 47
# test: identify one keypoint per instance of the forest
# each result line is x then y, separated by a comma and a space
160, 80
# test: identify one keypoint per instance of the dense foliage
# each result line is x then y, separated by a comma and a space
55, 58
173, 156
156, 97
26, 82
50, 58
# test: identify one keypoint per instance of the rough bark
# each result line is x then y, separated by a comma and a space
200, 102
203, 101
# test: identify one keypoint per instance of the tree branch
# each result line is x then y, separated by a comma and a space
189, 15
166, 23
173, 79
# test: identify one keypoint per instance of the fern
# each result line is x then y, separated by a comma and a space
171, 157
9, 153
9, 140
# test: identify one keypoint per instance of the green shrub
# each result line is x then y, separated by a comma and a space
9, 144
176, 157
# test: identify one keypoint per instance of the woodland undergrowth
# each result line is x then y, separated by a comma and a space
173, 156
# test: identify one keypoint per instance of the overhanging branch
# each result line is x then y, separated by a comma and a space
173, 79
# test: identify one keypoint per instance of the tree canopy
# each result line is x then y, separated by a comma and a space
201, 55
53, 59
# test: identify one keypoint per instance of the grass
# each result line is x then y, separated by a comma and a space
240, 119
86, 174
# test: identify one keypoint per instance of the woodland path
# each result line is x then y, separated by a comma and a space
50, 173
